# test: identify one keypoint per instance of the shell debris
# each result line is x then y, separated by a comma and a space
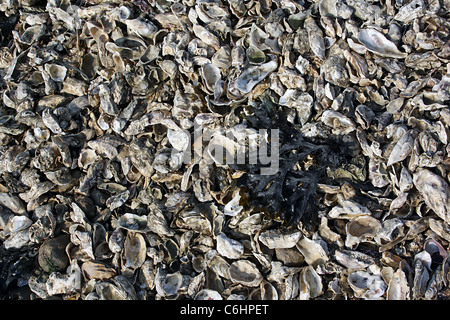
224, 150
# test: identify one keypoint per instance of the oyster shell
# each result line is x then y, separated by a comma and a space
353, 259
398, 288
246, 273
229, 248
276, 239
366, 285
208, 294
313, 251
434, 191
402, 148
310, 284
97, 270
315, 37
167, 284
56, 72
248, 79
340, 123
360, 229
134, 252
377, 43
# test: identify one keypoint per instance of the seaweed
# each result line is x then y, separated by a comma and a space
7, 25
289, 194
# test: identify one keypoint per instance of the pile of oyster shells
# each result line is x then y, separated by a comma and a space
97, 95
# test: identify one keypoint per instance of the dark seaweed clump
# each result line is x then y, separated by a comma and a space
7, 25
290, 194
15, 270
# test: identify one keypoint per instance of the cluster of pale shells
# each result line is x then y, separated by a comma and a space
98, 99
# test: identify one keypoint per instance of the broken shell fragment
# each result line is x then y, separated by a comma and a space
13, 203
348, 209
340, 123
